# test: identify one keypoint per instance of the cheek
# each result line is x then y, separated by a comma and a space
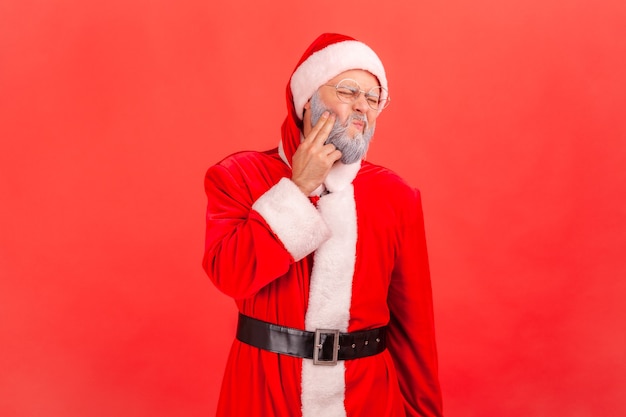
342, 113
371, 119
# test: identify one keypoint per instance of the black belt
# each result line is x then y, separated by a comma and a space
324, 346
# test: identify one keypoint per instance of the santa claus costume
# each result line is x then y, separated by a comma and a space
351, 260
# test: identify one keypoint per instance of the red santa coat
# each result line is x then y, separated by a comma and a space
354, 260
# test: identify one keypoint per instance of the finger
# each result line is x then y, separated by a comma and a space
328, 149
321, 135
335, 155
317, 127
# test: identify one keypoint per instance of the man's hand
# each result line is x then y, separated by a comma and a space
313, 159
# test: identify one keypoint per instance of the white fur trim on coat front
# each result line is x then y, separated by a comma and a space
329, 62
330, 296
292, 218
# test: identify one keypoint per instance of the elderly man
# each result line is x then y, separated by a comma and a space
325, 256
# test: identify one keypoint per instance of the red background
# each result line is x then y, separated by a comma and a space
509, 115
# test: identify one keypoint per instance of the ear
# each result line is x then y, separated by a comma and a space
306, 118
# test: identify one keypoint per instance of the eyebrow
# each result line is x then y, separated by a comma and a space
357, 83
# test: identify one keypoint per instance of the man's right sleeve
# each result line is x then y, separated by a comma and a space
251, 243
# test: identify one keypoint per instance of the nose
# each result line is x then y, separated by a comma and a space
360, 104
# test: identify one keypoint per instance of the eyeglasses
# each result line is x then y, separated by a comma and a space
348, 91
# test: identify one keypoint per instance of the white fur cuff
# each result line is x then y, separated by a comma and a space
292, 218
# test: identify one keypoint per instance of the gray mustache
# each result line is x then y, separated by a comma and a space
359, 117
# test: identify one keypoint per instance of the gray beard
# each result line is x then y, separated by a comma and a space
352, 149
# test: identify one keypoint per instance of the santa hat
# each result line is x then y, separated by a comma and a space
329, 55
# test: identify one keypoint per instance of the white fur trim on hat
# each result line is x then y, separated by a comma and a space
327, 63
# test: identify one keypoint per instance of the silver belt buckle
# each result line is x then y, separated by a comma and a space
317, 347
